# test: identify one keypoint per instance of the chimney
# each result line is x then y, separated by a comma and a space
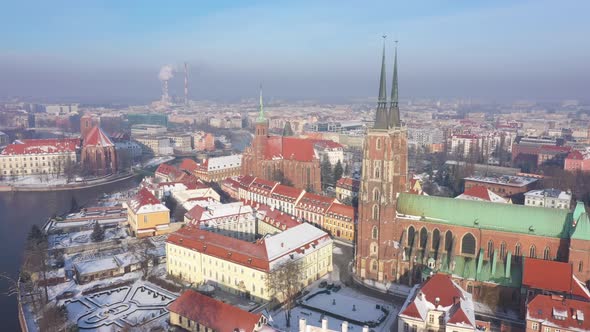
345, 326
302, 324
365, 328
456, 299
436, 301
282, 244
325, 325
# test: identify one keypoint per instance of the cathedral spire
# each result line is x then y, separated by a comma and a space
261, 117
381, 113
394, 118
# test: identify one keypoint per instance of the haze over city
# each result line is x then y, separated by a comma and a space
112, 51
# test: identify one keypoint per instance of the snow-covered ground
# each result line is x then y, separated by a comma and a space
136, 305
49, 180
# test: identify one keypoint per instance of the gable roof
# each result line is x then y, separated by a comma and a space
559, 312
188, 165
485, 215
481, 193
167, 169
144, 202
212, 313
97, 137
341, 210
41, 146
315, 203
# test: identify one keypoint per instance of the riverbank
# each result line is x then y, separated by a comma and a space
70, 186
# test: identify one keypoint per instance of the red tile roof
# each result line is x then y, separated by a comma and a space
42, 146
252, 255
188, 165
480, 192
262, 187
97, 137
291, 148
166, 169
341, 210
315, 203
348, 183
213, 314
441, 286
245, 180
283, 192
576, 155
277, 218
142, 198
552, 276
556, 311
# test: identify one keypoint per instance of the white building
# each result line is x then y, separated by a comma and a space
38, 156
232, 219
549, 198
182, 142
331, 150
61, 109
425, 137
439, 304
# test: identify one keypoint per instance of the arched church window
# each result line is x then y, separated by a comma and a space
468, 244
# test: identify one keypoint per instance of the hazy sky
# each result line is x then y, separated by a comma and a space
113, 50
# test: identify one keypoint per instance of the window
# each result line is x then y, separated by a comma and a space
490, 249
580, 266
406, 327
535, 326
503, 250
378, 144
431, 319
375, 233
547, 254
423, 237
448, 241
145, 219
468, 244
376, 195
375, 212
435, 239
532, 252
414, 328
411, 234
377, 173
517, 250
374, 266
547, 329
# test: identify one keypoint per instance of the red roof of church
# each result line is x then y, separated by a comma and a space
552, 276
556, 311
188, 165
41, 146
214, 314
252, 255
291, 148
97, 137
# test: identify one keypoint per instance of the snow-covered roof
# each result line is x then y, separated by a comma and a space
552, 193
98, 265
293, 238
146, 202
219, 163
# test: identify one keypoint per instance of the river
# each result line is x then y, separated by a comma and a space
18, 212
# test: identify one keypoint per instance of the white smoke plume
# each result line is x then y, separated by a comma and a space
166, 73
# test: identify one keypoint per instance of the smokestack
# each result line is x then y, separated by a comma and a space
166, 73
186, 84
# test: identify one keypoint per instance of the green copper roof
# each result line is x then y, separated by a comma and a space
582, 229
394, 118
261, 117
494, 216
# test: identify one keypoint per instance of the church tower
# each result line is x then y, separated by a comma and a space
261, 130
384, 175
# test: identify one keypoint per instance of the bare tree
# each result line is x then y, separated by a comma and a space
53, 319
285, 281
143, 251
35, 257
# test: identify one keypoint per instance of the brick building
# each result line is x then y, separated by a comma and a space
551, 313
219, 168
281, 158
99, 156
403, 238
507, 186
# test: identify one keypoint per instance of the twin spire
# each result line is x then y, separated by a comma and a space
387, 118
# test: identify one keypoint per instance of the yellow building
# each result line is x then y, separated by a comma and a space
147, 216
241, 267
339, 221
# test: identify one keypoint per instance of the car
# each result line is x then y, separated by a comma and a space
330, 286
336, 288
323, 284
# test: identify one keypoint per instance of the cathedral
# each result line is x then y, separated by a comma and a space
403, 238
289, 160
99, 156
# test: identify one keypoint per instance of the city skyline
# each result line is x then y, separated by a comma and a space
113, 52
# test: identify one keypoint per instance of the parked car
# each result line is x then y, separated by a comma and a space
323, 284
